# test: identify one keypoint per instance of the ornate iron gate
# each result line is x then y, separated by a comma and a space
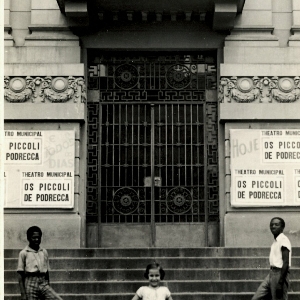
152, 149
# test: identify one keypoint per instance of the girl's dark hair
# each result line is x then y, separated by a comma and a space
281, 221
154, 266
33, 229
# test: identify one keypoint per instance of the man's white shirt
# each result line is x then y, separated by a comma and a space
276, 252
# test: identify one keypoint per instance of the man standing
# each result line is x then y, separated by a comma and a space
277, 281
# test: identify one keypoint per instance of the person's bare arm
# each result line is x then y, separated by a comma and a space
47, 277
136, 297
21, 279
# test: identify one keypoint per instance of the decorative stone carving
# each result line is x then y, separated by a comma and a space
57, 89
242, 90
223, 83
263, 89
81, 83
283, 90
19, 89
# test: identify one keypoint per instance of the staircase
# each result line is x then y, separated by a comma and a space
191, 273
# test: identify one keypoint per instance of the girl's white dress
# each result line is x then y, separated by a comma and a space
150, 293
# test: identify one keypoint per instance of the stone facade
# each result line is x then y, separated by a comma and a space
44, 85
259, 89
46, 42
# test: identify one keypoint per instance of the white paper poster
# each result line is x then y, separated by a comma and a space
39, 168
265, 167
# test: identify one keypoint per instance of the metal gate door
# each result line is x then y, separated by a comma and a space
152, 164
152, 150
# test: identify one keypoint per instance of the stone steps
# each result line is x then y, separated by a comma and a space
191, 273
176, 286
173, 274
155, 252
172, 262
175, 296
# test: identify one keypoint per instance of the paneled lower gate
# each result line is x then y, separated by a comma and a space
156, 154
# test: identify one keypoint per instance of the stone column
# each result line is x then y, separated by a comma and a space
8, 39
294, 40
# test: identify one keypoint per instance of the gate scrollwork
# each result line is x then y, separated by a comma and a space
179, 200
126, 201
178, 76
126, 76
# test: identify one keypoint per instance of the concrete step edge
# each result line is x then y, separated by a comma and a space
145, 282
157, 248
121, 252
175, 294
166, 269
151, 257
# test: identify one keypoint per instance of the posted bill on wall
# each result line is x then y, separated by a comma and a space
265, 167
39, 168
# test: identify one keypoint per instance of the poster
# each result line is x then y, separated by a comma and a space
265, 167
39, 168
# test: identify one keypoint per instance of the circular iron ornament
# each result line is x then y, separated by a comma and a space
126, 201
286, 84
126, 76
59, 84
245, 85
17, 84
179, 200
178, 76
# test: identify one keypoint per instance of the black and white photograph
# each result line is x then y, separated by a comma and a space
150, 150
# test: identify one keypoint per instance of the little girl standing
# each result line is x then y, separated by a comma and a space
154, 273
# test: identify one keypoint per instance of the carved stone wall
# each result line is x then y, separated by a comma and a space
259, 89
44, 89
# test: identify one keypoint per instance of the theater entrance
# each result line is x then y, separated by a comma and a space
152, 151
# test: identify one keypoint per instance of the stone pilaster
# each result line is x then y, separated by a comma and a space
49, 27
8, 39
254, 27
294, 40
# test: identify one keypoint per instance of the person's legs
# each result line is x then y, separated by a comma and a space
274, 278
32, 288
286, 287
263, 291
48, 292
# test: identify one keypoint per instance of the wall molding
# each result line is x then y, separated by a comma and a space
56, 89
259, 89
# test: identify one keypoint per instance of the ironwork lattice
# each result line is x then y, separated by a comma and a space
152, 135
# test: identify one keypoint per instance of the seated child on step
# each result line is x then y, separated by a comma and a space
33, 269
154, 273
